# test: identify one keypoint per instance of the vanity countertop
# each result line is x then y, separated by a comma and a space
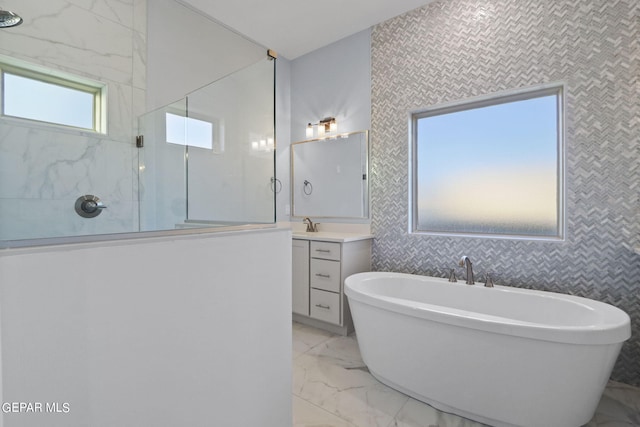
331, 236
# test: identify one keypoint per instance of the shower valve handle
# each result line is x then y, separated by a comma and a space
90, 206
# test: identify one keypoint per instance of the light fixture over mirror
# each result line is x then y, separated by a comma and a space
326, 126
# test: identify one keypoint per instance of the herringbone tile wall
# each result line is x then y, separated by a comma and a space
456, 49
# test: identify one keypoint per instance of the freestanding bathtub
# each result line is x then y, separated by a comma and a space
502, 356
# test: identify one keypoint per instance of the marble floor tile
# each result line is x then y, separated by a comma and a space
417, 414
333, 387
619, 406
349, 393
305, 338
306, 414
591, 423
340, 351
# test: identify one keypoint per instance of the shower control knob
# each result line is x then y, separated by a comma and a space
89, 206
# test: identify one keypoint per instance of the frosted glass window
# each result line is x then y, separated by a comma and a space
189, 131
490, 167
50, 100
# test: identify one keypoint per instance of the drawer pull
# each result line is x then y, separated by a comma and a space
326, 307
324, 251
326, 276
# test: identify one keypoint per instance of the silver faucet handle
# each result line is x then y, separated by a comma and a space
315, 227
452, 275
488, 281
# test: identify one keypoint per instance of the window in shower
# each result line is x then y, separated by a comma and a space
51, 97
183, 130
490, 167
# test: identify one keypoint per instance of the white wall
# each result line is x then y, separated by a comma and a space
188, 50
154, 332
332, 81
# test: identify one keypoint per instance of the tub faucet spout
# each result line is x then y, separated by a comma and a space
466, 262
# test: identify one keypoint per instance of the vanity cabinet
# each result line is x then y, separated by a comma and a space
300, 277
319, 270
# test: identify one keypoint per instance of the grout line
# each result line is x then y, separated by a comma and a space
332, 336
318, 344
393, 423
325, 411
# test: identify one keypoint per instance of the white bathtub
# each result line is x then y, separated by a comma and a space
502, 356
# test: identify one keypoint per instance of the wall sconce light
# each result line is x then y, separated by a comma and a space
325, 126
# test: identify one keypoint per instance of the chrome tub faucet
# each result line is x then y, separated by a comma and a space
466, 262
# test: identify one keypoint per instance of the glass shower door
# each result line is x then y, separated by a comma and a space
162, 168
229, 180
209, 159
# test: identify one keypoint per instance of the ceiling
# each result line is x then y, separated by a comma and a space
295, 27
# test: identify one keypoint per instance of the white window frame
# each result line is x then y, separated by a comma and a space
558, 89
66, 80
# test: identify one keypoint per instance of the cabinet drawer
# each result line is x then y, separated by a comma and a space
325, 250
325, 274
325, 306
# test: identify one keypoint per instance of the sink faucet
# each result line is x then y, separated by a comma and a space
311, 227
466, 262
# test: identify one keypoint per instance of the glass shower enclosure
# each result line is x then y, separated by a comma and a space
206, 160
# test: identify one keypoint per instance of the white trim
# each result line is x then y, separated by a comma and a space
503, 97
65, 80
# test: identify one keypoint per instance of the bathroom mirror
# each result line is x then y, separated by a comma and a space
330, 177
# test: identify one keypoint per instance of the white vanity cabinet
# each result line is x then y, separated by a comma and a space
300, 277
321, 262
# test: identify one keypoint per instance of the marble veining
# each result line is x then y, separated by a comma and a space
44, 168
332, 387
115, 10
54, 165
72, 38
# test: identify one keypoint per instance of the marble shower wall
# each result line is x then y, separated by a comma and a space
457, 49
43, 169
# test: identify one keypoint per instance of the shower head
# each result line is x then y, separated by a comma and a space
9, 19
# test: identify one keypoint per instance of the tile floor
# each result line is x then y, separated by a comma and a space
332, 388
